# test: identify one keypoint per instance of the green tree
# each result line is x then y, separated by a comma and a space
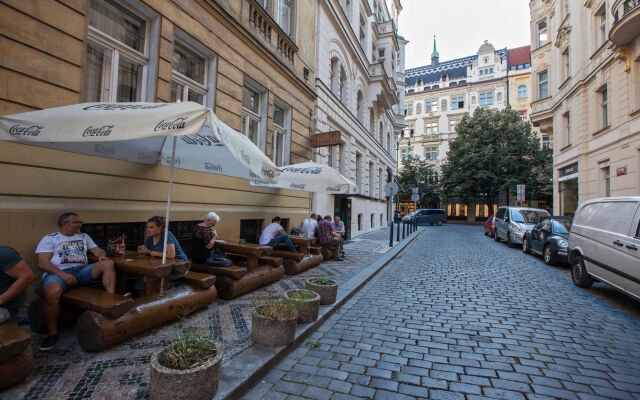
494, 151
416, 173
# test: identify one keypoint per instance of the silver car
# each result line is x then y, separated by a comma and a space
512, 223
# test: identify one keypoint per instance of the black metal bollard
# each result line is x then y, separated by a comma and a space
404, 228
391, 234
398, 232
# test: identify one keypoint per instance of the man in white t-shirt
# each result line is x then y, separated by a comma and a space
309, 226
63, 257
274, 234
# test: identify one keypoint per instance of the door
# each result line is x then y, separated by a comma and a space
500, 223
630, 258
342, 208
539, 235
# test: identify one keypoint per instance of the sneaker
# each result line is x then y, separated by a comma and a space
338, 259
49, 342
4, 314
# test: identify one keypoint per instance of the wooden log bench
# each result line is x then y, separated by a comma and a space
315, 249
233, 271
229, 288
96, 331
327, 252
98, 300
15, 354
200, 279
294, 263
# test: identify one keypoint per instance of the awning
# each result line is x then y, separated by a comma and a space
311, 177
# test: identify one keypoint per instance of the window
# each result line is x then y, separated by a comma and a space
541, 32
567, 127
522, 114
281, 134
457, 102
372, 220
418, 108
342, 85
545, 141
604, 107
499, 96
473, 100
363, 29
116, 59
380, 54
606, 180
431, 153
360, 227
486, 98
522, 91
601, 26
431, 106
543, 85
252, 110
566, 67
419, 82
405, 154
334, 72
431, 128
359, 173
452, 126
360, 107
189, 74
283, 15
250, 230
444, 105
565, 7
409, 110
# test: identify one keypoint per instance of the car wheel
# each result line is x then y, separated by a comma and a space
495, 236
525, 245
547, 254
509, 242
439, 223
579, 274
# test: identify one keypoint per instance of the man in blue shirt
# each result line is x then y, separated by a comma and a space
15, 277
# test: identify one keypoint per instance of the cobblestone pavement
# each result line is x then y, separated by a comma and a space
122, 371
458, 316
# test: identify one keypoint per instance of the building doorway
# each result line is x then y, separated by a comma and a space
342, 208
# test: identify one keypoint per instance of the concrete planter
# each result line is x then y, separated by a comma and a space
328, 293
272, 332
200, 382
310, 308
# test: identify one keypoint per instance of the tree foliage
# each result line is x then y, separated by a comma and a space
418, 173
494, 151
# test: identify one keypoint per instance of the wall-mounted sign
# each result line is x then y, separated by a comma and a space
568, 170
323, 139
621, 171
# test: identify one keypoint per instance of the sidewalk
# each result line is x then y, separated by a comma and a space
122, 371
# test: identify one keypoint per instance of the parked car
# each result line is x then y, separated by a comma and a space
410, 215
550, 239
431, 216
512, 223
604, 244
489, 226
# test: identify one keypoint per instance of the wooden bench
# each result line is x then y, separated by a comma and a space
15, 354
233, 271
315, 249
199, 279
229, 288
98, 300
271, 260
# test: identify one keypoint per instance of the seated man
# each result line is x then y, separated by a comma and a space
309, 226
327, 236
274, 234
15, 276
63, 257
338, 226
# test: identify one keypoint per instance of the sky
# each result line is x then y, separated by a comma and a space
461, 26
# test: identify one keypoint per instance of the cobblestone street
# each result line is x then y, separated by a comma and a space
459, 316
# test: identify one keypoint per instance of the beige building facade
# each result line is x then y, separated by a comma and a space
586, 78
252, 61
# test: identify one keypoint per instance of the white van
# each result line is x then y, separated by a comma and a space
512, 223
604, 244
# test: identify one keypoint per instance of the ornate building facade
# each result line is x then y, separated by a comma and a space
360, 89
586, 78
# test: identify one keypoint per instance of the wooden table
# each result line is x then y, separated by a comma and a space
251, 251
151, 268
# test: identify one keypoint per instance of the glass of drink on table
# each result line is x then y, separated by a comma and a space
142, 250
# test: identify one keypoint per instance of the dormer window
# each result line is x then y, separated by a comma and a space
444, 77
381, 54
419, 82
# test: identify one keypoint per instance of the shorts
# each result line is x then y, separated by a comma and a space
82, 275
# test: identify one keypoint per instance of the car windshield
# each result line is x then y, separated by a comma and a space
528, 216
561, 226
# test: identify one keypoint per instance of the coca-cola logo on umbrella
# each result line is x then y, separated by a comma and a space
178, 123
123, 107
19, 130
104, 130
202, 140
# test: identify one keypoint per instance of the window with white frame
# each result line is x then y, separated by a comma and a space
545, 141
431, 106
431, 153
282, 133
457, 102
405, 154
117, 57
566, 67
189, 74
543, 84
601, 26
342, 85
284, 15
452, 125
363, 29
486, 98
419, 108
566, 119
431, 127
252, 113
522, 91
604, 106
444, 105
541, 28
409, 110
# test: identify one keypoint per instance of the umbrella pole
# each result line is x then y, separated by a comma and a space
166, 219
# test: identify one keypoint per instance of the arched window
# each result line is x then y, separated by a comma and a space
499, 96
444, 105
418, 108
381, 133
333, 76
522, 92
371, 121
342, 85
473, 100
360, 107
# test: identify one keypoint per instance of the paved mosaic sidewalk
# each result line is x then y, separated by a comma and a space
122, 371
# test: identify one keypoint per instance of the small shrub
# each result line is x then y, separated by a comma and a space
322, 281
302, 295
313, 344
282, 308
189, 351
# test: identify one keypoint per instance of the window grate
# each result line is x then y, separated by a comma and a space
250, 230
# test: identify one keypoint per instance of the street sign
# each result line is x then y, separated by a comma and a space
415, 197
415, 190
520, 189
391, 188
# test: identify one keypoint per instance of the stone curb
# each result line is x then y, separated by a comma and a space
240, 373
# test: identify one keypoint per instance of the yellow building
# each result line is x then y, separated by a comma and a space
586, 75
254, 66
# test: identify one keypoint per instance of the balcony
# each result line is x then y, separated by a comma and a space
626, 21
270, 34
542, 114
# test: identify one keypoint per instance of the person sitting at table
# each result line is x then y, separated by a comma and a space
204, 238
338, 226
63, 258
155, 244
309, 226
274, 234
15, 276
327, 236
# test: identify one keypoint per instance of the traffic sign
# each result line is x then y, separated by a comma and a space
415, 197
415, 190
391, 188
520, 191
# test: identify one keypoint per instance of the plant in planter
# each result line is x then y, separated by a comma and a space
189, 368
310, 304
273, 323
326, 288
